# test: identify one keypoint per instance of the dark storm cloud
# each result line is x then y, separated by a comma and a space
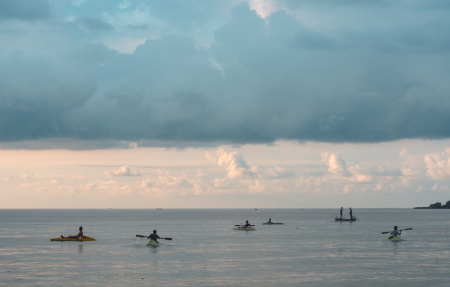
37, 92
25, 10
261, 80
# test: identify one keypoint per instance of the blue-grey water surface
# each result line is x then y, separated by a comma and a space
309, 250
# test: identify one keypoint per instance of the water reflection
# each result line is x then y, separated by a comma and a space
395, 247
80, 248
153, 249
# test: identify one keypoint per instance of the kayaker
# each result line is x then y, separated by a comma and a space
154, 236
79, 235
395, 232
270, 220
247, 224
342, 210
351, 213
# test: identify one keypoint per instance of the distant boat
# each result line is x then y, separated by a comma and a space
159, 208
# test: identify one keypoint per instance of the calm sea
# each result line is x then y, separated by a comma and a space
309, 250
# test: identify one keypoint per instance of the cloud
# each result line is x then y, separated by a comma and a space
216, 72
138, 27
238, 177
123, 171
26, 176
94, 24
336, 165
353, 177
234, 163
438, 164
25, 10
280, 172
412, 165
264, 7
166, 183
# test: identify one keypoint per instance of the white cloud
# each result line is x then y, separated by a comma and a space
438, 164
30, 176
336, 165
123, 171
166, 183
279, 172
265, 7
412, 165
344, 177
234, 163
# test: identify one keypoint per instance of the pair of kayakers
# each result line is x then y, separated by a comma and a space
351, 212
153, 236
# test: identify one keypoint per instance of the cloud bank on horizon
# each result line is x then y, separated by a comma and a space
239, 72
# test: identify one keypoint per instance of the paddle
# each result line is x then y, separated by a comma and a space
244, 225
397, 230
166, 238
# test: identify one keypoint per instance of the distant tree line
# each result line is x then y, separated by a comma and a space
436, 205
439, 205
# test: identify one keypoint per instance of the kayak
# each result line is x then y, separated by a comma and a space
248, 228
272, 223
84, 238
346, 219
153, 243
395, 238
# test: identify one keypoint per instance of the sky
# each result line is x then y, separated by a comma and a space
224, 104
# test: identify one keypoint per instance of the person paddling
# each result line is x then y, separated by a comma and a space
395, 232
270, 220
247, 224
154, 236
351, 213
342, 210
79, 235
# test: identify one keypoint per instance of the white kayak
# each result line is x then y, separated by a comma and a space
248, 228
153, 243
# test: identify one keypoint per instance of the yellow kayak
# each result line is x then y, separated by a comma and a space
84, 238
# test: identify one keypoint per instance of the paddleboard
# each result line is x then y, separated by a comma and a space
272, 223
84, 238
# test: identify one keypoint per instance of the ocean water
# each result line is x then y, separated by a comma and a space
310, 249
